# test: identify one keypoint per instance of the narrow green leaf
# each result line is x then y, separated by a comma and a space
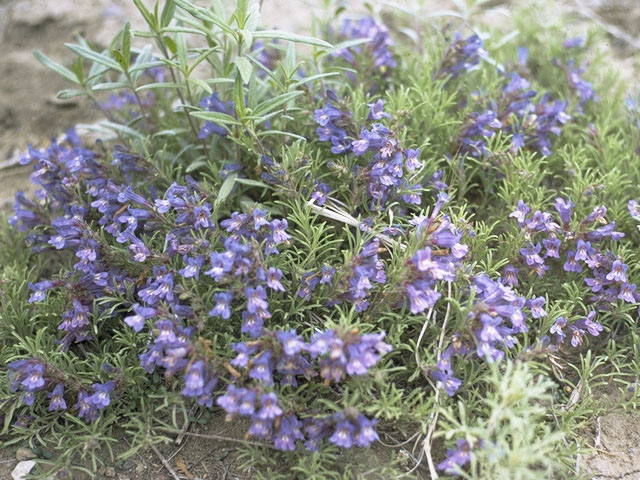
126, 46
290, 60
245, 68
96, 57
273, 103
67, 94
195, 165
280, 35
238, 97
280, 132
167, 13
314, 77
110, 86
56, 67
146, 14
252, 183
216, 117
200, 83
241, 13
225, 190
150, 86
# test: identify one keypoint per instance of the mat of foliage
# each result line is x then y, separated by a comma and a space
396, 232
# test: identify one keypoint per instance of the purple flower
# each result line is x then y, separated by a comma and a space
222, 310
376, 110
521, 213
100, 398
194, 380
39, 290
456, 458
85, 408
536, 306
557, 327
627, 292
343, 436
450, 383
634, 209
262, 367
291, 342
57, 398
564, 207
531, 254
279, 230
552, 247
269, 407
571, 265
289, 431
192, 270
574, 42
273, 279
142, 314
618, 272
34, 379
256, 299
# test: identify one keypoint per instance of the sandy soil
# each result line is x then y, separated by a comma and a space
29, 112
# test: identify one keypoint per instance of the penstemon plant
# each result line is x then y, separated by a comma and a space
392, 236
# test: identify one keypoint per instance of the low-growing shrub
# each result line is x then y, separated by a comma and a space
395, 234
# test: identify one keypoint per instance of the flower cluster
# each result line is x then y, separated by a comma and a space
576, 329
462, 54
436, 262
578, 244
356, 282
33, 375
530, 124
214, 104
386, 175
377, 50
495, 317
284, 355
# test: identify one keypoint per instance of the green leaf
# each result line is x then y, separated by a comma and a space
252, 183
171, 44
56, 67
183, 61
241, 13
126, 46
195, 165
67, 94
146, 14
120, 58
273, 103
110, 86
314, 77
290, 60
280, 35
96, 57
245, 68
167, 13
205, 14
200, 83
280, 132
216, 117
150, 86
225, 190
238, 97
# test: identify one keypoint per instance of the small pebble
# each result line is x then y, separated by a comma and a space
24, 453
22, 470
109, 472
